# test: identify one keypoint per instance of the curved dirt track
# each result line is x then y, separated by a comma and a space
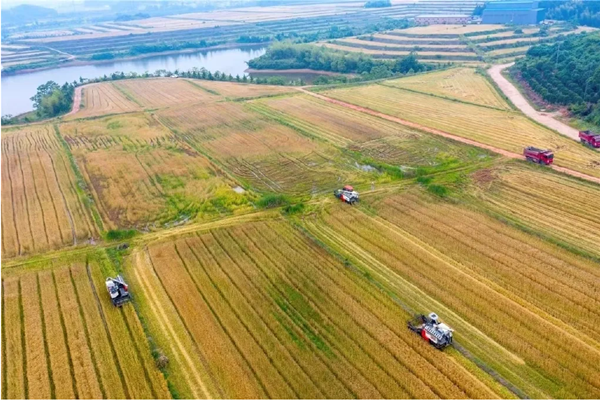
522, 104
76, 100
438, 132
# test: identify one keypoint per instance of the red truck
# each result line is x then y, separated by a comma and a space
589, 138
538, 156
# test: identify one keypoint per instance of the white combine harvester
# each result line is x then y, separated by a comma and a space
118, 290
432, 330
347, 194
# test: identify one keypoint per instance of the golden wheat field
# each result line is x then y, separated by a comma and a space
70, 341
457, 83
249, 279
42, 208
140, 175
507, 130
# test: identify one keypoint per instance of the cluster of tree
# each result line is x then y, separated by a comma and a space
577, 11
155, 48
378, 3
566, 73
50, 100
288, 55
131, 17
254, 39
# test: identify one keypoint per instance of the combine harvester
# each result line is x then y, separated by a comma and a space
118, 290
347, 194
589, 138
432, 330
538, 156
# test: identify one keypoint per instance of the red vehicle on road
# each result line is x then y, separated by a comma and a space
538, 156
589, 138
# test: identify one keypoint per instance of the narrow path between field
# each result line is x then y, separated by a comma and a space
434, 131
522, 104
76, 100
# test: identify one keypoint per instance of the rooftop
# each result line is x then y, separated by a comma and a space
443, 16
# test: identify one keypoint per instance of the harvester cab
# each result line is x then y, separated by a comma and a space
347, 194
118, 290
432, 330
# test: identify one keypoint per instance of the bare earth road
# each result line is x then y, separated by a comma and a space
518, 100
438, 132
76, 100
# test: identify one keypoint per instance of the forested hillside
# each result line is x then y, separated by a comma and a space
566, 73
580, 12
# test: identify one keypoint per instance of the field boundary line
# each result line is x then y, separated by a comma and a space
438, 132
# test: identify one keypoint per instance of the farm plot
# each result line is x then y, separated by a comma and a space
141, 175
102, 99
240, 90
372, 137
64, 338
41, 206
268, 155
158, 93
422, 54
285, 319
457, 83
524, 307
554, 206
504, 129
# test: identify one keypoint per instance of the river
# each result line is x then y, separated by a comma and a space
17, 89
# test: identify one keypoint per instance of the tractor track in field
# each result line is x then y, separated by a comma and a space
447, 135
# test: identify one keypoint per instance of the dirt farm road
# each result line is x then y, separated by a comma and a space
438, 132
521, 103
76, 100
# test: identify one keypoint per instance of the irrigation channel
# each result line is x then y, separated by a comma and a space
17, 89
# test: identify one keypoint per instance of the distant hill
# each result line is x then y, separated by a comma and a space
27, 12
567, 73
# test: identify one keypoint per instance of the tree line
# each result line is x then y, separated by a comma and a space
566, 73
288, 55
576, 11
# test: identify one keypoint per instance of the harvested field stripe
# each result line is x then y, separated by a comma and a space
374, 373
299, 374
87, 333
354, 380
228, 331
271, 348
228, 366
166, 326
38, 380
28, 205
321, 372
45, 339
56, 336
15, 360
83, 367
4, 345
